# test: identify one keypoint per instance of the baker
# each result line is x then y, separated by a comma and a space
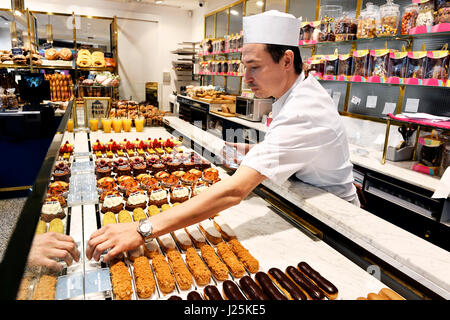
306, 138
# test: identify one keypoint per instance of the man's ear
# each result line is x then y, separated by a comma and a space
288, 59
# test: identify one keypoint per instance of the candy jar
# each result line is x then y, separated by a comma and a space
328, 15
389, 19
368, 21
409, 18
345, 28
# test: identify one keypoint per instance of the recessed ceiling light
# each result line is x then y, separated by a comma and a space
234, 12
159, 1
259, 3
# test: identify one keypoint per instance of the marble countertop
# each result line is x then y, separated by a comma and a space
421, 260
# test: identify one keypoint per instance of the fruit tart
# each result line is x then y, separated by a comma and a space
126, 183
147, 181
58, 188
61, 172
106, 184
188, 178
178, 173
152, 159
108, 193
161, 175
170, 181
211, 175
196, 172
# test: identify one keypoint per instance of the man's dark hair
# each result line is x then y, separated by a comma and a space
277, 52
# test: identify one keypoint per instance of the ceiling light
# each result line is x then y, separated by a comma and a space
159, 1
259, 3
234, 12
17, 13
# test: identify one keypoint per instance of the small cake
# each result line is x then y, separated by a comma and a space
182, 239
124, 216
166, 158
157, 167
179, 194
139, 214
198, 187
108, 193
170, 181
188, 179
113, 203
157, 196
173, 166
165, 207
148, 182
124, 169
138, 165
178, 173
152, 159
66, 148
103, 168
58, 188
152, 210
51, 210
61, 171
196, 173
126, 183
98, 147
211, 175
106, 184
137, 199
161, 175
196, 236
60, 199
210, 231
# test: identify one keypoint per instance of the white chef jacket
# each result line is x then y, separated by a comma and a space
306, 138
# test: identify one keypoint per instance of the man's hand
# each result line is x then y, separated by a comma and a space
48, 246
240, 148
118, 238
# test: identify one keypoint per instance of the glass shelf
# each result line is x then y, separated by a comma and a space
384, 83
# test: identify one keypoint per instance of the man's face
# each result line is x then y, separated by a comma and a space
262, 75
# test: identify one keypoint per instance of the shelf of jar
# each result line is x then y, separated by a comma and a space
225, 74
201, 54
442, 29
437, 83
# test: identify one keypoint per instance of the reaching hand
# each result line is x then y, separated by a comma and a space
48, 246
118, 238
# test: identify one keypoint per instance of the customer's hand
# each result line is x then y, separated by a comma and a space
48, 247
116, 238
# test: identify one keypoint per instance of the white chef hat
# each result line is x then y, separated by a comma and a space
272, 27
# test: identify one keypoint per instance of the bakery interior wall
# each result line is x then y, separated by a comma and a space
142, 60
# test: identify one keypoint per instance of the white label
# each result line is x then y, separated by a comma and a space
371, 102
356, 100
336, 98
412, 105
389, 107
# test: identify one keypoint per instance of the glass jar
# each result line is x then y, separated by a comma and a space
345, 28
328, 15
369, 21
409, 18
389, 19
425, 16
442, 15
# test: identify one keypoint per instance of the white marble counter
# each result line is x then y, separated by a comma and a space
258, 125
421, 260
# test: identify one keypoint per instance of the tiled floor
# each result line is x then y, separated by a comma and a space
10, 210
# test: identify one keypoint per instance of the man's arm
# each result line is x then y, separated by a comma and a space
220, 196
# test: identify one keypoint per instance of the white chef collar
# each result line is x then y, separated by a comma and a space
279, 103
272, 27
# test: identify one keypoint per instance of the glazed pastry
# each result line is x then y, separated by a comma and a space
189, 178
178, 173
212, 293
175, 298
65, 54
218, 268
194, 295
263, 280
151, 248
51, 54
160, 175
163, 275
139, 214
124, 216
290, 289
308, 287
326, 286
223, 228
231, 291
179, 269
113, 203
121, 281
106, 184
196, 236
108, 218
252, 290
182, 238
250, 263
167, 243
52, 210
170, 181
179, 194
234, 265
56, 225
126, 183
41, 227
210, 231
147, 182
199, 271
58, 188
196, 173
143, 275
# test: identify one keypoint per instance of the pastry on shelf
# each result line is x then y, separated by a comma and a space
157, 196
153, 210
51, 54
166, 158
136, 199
189, 178
65, 54
165, 207
56, 225
108, 193
84, 58
147, 182
234, 265
66, 148
106, 184
58, 188
196, 236
103, 168
61, 172
45, 288
179, 269
41, 227
113, 203
98, 59
59, 198
210, 176
121, 281
124, 217
139, 214
172, 166
151, 248
51, 210
223, 228
182, 239
126, 183
197, 267
108, 218
212, 293
199, 187
138, 166
122, 167
169, 181
250, 262
196, 173
179, 194
152, 159
143, 276
217, 267
178, 173
157, 168
163, 275
167, 243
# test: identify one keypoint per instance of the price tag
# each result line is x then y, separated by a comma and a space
355, 100
371, 102
108, 55
47, 45
97, 281
69, 286
389, 107
412, 105
17, 51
